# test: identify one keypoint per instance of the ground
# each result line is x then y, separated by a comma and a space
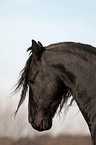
47, 140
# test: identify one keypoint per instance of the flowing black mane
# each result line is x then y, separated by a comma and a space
23, 82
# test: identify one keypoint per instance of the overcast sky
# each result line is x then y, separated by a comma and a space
48, 21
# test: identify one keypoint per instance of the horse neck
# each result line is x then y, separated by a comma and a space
77, 69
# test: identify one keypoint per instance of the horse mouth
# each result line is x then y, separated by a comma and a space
41, 129
41, 126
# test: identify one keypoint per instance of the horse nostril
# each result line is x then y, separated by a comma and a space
41, 123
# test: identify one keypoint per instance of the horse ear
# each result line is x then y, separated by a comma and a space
40, 44
35, 47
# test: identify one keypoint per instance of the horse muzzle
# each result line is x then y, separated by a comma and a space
41, 125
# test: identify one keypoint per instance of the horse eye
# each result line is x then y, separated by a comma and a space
32, 80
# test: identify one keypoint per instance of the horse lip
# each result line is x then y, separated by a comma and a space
41, 129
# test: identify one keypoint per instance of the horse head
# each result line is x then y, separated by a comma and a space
46, 89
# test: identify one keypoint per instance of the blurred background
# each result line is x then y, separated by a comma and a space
50, 22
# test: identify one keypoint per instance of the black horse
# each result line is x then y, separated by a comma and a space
52, 74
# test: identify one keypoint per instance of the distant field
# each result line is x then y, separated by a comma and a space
47, 140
